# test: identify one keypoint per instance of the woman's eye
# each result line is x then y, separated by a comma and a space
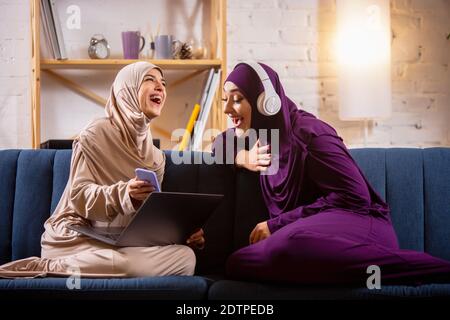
238, 101
164, 84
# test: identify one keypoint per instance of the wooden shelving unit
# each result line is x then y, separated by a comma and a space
50, 66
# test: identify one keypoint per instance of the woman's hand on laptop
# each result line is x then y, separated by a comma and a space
196, 240
139, 190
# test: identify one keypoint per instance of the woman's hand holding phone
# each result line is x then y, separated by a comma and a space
140, 187
148, 176
139, 190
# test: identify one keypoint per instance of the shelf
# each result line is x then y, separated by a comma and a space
186, 69
48, 64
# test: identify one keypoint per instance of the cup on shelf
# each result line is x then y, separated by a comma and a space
166, 47
131, 44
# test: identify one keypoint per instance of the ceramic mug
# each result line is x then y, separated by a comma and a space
166, 47
131, 44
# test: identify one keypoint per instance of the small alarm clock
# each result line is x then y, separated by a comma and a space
98, 47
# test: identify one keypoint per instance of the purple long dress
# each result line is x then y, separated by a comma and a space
328, 224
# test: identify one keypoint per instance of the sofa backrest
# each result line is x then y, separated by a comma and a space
414, 182
202, 178
27, 183
416, 185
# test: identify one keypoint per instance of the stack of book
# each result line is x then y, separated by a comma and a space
52, 29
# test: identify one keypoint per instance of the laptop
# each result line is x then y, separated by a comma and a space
164, 218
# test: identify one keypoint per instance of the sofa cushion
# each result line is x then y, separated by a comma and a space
154, 288
61, 170
373, 164
228, 289
404, 193
34, 183
400, 170
8, 167
437, 201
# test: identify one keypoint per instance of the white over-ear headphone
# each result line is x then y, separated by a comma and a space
268, 103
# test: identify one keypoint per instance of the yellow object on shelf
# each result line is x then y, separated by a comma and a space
189, 128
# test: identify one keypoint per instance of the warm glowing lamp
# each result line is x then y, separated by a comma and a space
364, 59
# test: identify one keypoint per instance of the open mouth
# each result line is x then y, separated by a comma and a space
156, 99
237, 121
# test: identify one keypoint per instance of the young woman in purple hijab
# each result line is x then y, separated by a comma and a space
327, 224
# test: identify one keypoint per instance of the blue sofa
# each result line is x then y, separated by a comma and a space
415, 182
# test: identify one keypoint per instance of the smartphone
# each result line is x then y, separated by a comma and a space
149, 176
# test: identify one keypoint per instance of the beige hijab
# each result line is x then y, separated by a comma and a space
123, 107
127, 140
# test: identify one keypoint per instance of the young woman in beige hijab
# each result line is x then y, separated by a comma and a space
102, 190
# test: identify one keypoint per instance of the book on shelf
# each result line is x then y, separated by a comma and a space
58, 29
202, 106
46, 25
52, 29
46, 33
206, 89
208, 94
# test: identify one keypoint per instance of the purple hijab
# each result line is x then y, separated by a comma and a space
281, 191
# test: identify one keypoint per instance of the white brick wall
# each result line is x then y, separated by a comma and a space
292, 36
63, 112
303, 57
15, 120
